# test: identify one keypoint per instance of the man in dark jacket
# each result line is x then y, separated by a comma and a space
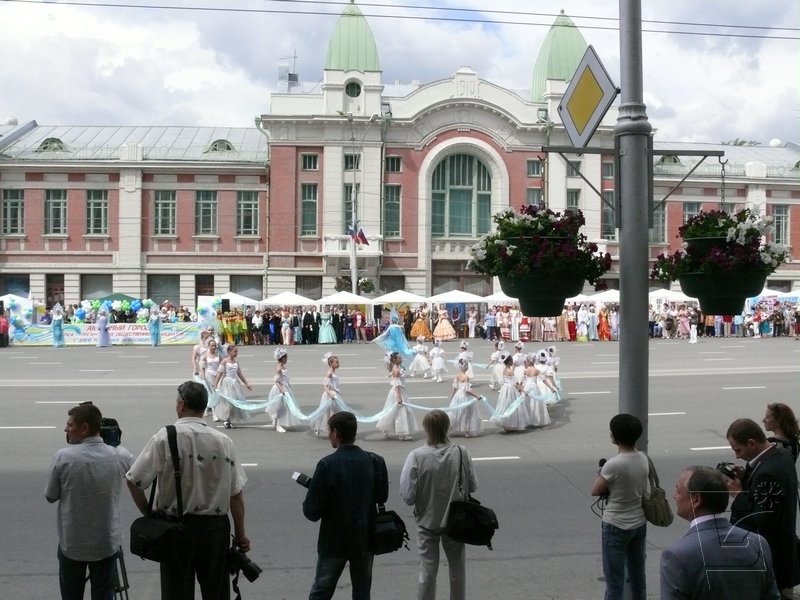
766, 502
343, 493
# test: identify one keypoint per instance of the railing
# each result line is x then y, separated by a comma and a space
339, 245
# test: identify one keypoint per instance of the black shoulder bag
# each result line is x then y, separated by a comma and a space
388, 529
468, 521
160, 537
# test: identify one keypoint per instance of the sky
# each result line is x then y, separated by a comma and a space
67, 64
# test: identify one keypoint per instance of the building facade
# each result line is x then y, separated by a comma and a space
401, 178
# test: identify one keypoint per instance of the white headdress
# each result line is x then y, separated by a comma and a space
463, 364
327, 357
501, 344
437, 342
519, 346
280, 352
464, 345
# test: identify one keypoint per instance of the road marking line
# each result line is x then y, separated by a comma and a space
31, 427
746, 387
708, 448
588, 393
163, 362
711, 353
249, 464
96, 370
133, 356
742, 346
613, 355
665, 414
47, 363
358, 368
716, 359
496, 458
611, 362
54, 402
429, 397
24, 357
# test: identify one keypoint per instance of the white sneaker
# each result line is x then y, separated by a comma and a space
425, 376
279, 429
438, 380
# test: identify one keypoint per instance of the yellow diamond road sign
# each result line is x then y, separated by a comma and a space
587, 99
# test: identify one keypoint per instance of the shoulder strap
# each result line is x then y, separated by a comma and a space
460, 471
172, 439
651, 473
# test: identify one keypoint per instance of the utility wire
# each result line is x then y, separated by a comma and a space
406, 17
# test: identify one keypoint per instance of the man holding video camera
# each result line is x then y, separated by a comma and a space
85, 478
766, 497
208, 462
343, 492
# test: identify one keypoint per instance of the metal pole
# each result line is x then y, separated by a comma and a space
633, 132
354, 211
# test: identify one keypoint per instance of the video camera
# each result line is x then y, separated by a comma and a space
728, 469
239, 561
109, 429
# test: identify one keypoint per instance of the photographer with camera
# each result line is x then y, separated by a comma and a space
216, 489
765, 499
85, 478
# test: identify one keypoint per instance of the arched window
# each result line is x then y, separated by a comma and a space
52, 145
461, 197
221, 146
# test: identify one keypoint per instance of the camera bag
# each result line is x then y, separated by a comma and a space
159, 537
468, 521
654, 501
388, 532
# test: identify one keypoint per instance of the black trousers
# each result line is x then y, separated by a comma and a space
204, 559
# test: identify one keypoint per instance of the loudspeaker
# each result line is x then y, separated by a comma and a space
226, 305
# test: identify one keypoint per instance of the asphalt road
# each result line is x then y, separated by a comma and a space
548, 545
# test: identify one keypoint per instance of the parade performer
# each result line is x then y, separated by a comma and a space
437, 360
103, 338
399, 420
519, 419
519, 362
58, 326
444, 329
420, 327
229, 387
420, 365
281, 392
330, 395
548, 390
327, 334
496, 366
394, 340
154, 326
538, 416
467, 420
209, 367
467, 356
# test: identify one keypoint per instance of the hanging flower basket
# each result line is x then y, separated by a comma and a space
726, 259
722, 293
541, 296
540, 257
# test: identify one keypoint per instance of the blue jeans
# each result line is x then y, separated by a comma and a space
72, 577
329, 569
623, 554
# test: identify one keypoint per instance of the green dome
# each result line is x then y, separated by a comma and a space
352, 46
561, 53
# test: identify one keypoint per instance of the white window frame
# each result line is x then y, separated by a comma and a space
206, 212
55, 212
96, 212
309, 161
534, 166
247, 209
309, 195
165, 209
395, 203
13, 212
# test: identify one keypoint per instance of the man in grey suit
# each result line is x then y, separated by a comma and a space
714, 560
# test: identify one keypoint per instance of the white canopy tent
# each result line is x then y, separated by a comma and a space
606, 297
287, 299
456, 297
239, 300
345, 298
21, 300
768, 293
669, 296
500, 298
579, 299
399, 297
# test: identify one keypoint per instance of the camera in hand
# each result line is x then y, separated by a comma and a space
728, 469
600, 464
238, 561
302, 479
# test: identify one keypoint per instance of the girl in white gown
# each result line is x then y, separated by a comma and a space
538, 415
330, 396
437, 360
467, 356
229, 387
519, 419
467, 420
209, 368
400, 420
280, 412
420, 365
548, 390
496, 365
553, 360
519, 362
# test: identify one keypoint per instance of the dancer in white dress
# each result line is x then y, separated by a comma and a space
548, 390
437, 360
420, 365
553, 360
496, 365
229, 387
467, 420
538, 415
467, 356
209, 367
519, 419
400, 419
519, 362
330, 395
280, 412
198, 350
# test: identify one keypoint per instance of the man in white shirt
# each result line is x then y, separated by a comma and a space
429, 482
714, 559
209, 462
85, 479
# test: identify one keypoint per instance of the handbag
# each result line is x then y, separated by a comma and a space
654, 501
159, 537
389, 532
468, 521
